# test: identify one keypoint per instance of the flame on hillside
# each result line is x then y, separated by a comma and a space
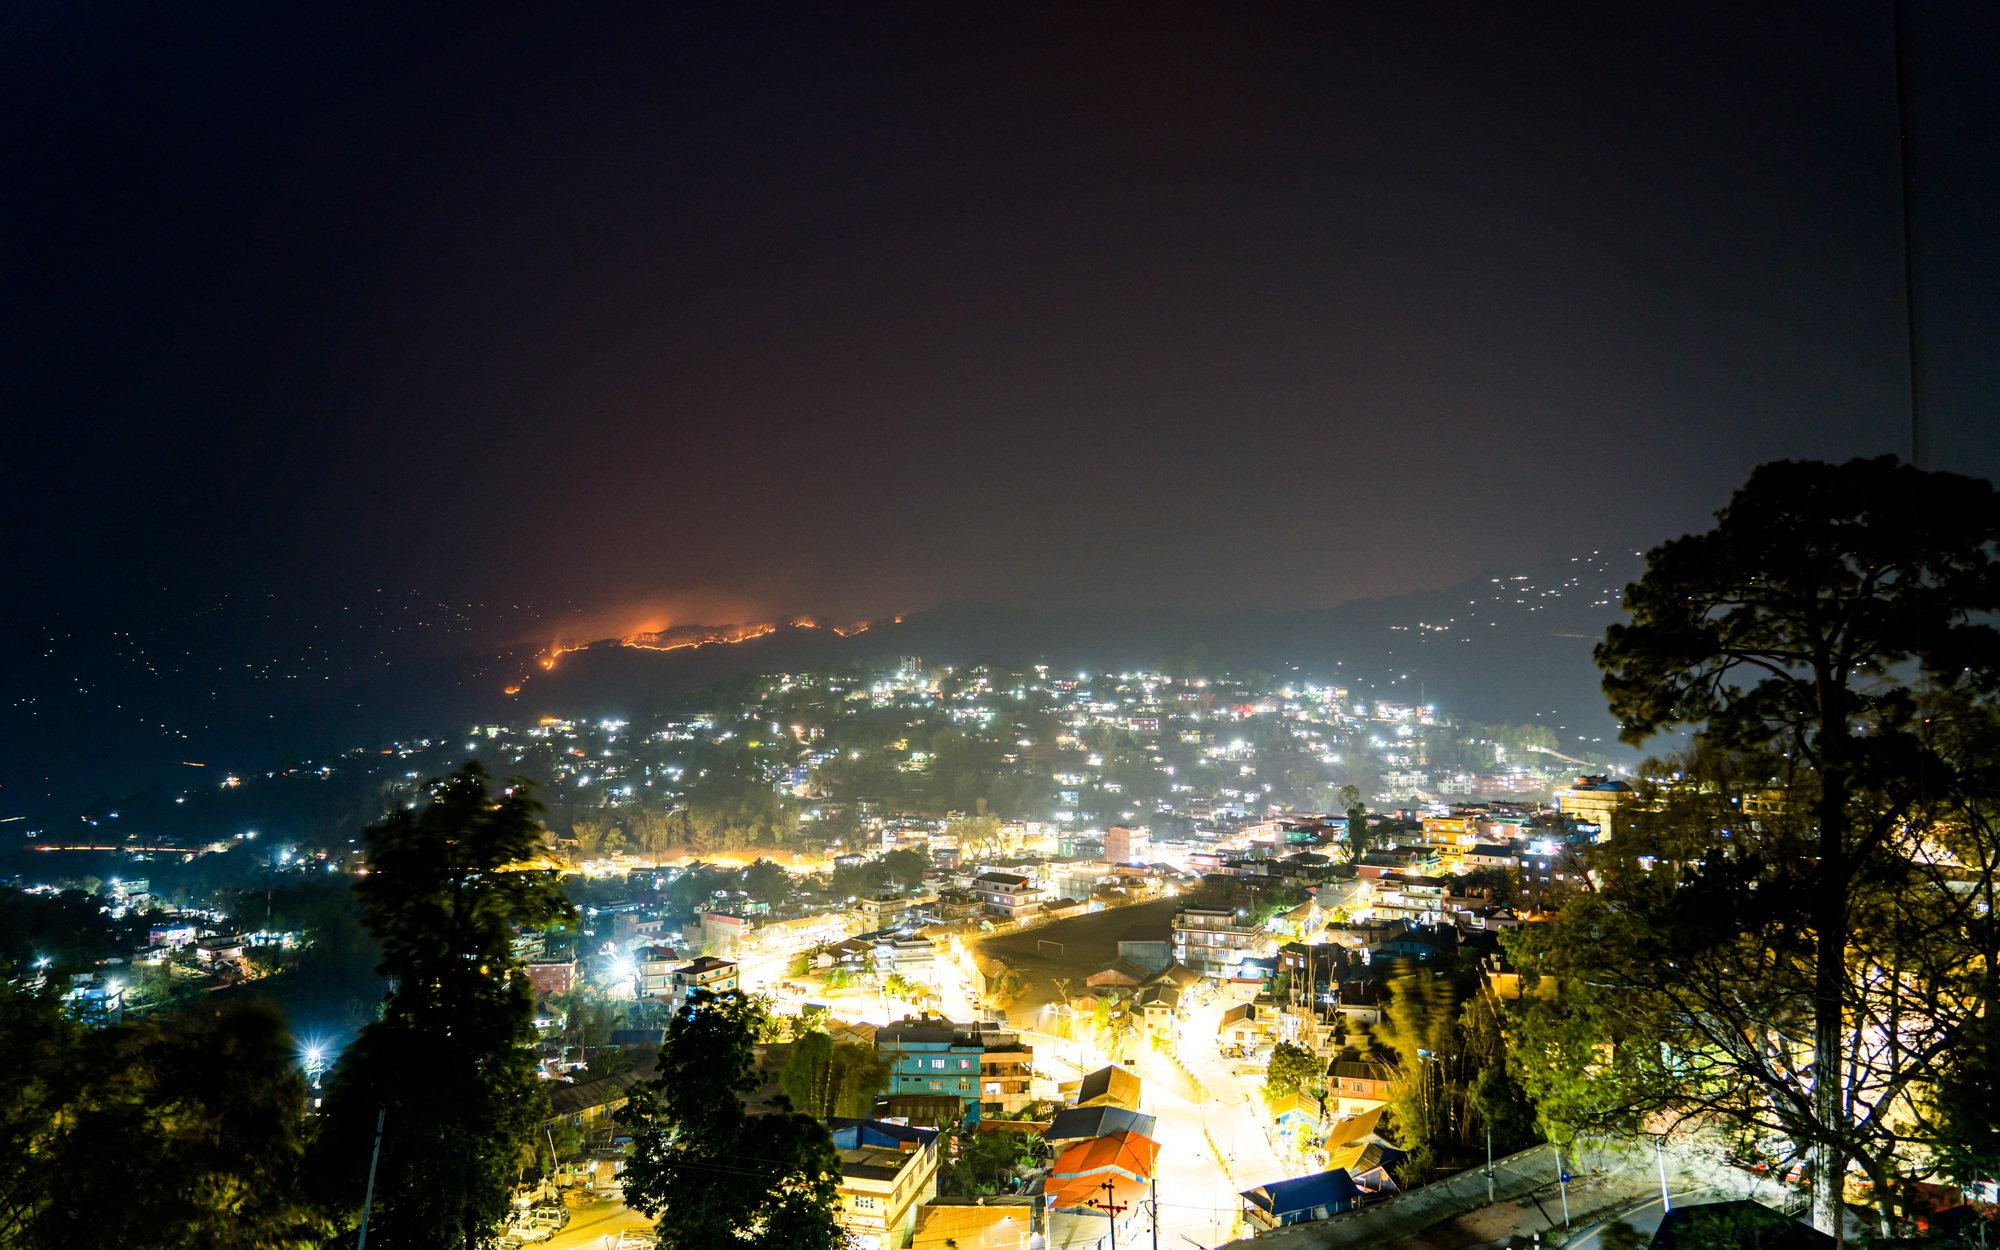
676, 637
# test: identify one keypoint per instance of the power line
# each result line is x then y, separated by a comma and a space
1913, 340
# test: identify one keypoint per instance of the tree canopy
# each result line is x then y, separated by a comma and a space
448, 1065
183, 1134
707, 1170
1780, 911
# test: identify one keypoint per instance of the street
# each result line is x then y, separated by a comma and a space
1646, 1219
1210, 1152
589, 1227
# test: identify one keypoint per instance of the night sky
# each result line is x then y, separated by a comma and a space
668, 313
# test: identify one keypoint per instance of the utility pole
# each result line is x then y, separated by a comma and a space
1489, 1165
1660, 1152
1562, 1180
1155, 1182
1111, 1207
368, 1198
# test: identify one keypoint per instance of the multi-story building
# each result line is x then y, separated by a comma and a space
1594, 800
986, 1068
1006, 896
1358, 1086
551, 976
887, 1171
656, 966
706, 973
718, 933
1123, 845
932, 1056
883, 911
1213, 940
1006, 1068
912, 958
1550, 871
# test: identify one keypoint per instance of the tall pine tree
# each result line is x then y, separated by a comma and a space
448, 1067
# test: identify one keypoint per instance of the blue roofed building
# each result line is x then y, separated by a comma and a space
1298, 1200
887, 1172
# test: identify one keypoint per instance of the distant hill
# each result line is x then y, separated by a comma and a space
1506, 646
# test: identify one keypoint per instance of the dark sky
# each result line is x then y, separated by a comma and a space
699, 312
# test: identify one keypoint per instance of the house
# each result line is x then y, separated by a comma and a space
932, 1056
551, 976
1150, 946
216, 950
1154, 1008
656, 970
1487, 855
708, 973
1123, 973
1212, 940
1295, 1113
172, 934
1109, 1086
1358, 1087
1083, 1123
591, 1104
1239, 1026
1006, 896
1295, 1201
1006, 1073
1123, 1161
887, 1171
1360, 1002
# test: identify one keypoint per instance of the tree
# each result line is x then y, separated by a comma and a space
985, 1163
1495, 1098
1293, 1069
1427, 1096
448, 1066
907, 865
808, 1078
1358, 840
1966, 1107
859, 1074
768, 881
1803, 632
182, 1133
709, 1172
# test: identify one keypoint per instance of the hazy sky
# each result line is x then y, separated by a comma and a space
698, 312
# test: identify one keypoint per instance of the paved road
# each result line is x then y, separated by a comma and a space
590, 1226
1647, 1218
1209, 1152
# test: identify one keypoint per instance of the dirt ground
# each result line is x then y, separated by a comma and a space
1088, 944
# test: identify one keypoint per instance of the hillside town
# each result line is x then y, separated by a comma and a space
1056, 963
1109, 1005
